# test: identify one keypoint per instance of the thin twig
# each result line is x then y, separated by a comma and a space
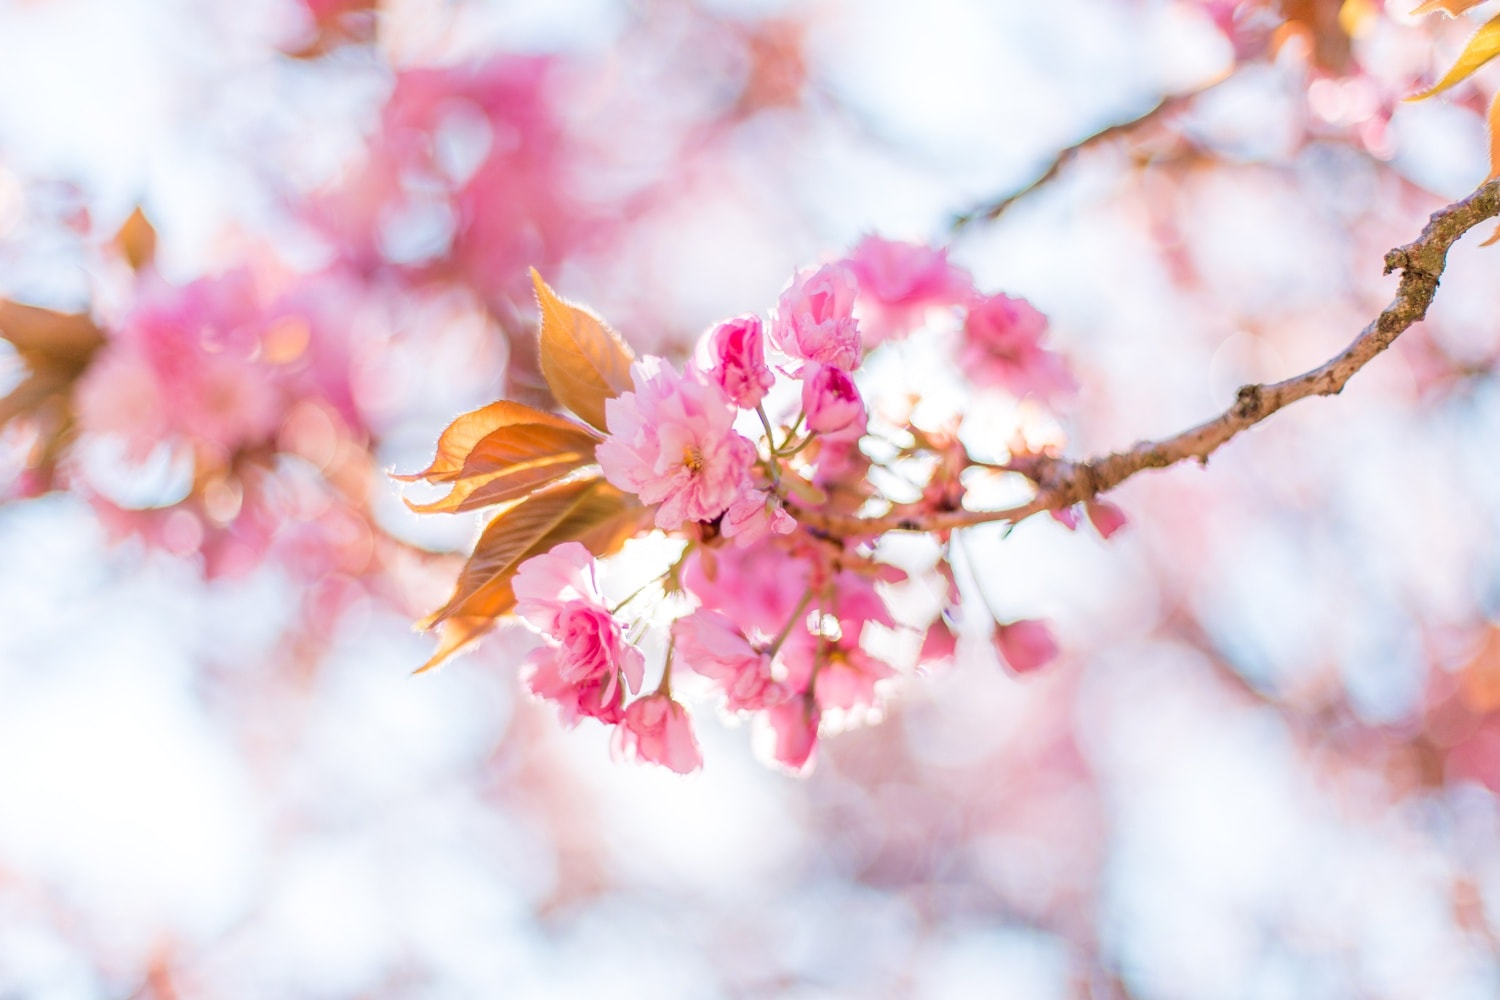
1062, 483
992, 210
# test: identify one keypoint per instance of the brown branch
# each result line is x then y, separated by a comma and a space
992, 210
1062, 483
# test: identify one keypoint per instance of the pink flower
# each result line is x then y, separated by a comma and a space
815, 318
739, 352
183, 365
672, 442
714, 646
754, 516
840, 673
1026, 645
758, 586
478, 153
848, 678
657, 729
832, 402
1105, 517
585, 663
1002, 347
794, 725
899, 282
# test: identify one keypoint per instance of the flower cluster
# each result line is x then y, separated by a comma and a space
760, 457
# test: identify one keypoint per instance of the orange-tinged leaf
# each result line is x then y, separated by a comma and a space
503, 449
66, 340
1494, 137
512, 462
583, 361
1493, 239
1452, 8
586, 510
498, 487
1484, 46
460, 437
136, 240
456, 634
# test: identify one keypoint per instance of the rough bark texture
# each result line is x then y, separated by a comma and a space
1062, 483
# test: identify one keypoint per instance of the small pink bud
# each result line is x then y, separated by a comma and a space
739, 354
831, 400
1026, 645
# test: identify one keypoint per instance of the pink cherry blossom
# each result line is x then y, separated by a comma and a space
477, 151
847, 679
839, 672
739, 353
657, 729
832, 402
758, 586
546, 584
1026, 645
711, 644
183, 365
672, 442
794, 726
815, 318
757, 514
585, 663
1002, 347
900, 282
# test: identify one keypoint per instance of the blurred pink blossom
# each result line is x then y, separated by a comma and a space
478, 151
1002, 347
899, 282
848, 677
794, 725
758, 586
183, 365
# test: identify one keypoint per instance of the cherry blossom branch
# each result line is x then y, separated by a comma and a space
992, 210
1062, 483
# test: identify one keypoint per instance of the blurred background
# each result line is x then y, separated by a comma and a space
255, 255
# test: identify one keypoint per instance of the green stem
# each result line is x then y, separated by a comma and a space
791, 433
636, 593
800, 444
775, 646
665, 687
773, 468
